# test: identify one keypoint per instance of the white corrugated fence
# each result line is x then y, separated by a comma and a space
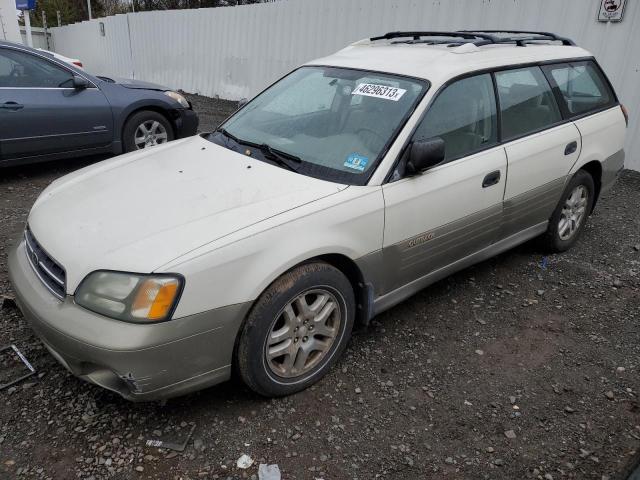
234, 52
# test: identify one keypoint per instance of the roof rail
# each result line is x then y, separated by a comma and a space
469, 37
476, 37
522, 40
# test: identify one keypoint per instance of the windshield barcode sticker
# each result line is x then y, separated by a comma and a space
379, 91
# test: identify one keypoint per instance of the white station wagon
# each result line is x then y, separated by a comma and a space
342, 189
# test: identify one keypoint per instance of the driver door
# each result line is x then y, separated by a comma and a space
41, 112
455, 208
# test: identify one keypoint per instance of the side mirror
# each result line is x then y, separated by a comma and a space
425, 154
242, 102
79, 82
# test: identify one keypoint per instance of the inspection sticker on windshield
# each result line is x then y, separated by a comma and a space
356, 161
379, 91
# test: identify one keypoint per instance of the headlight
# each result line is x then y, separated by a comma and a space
178, 98
129, 296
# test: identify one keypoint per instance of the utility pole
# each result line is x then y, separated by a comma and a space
59, 18
46, 30
27, 27
89, 8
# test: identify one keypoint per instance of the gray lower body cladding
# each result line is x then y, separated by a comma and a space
402, 269
611, 169
139, 361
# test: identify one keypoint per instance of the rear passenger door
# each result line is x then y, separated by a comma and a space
541, 147
453, 209
587, 98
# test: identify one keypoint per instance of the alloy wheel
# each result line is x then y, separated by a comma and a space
303, 333
573, 212
150, 133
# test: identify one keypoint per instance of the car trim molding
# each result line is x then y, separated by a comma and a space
384, 302
531, 207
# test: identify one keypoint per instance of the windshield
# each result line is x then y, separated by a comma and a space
335, 123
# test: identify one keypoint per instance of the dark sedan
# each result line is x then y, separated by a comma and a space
50, 109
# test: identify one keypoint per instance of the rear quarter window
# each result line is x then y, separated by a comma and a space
582, 87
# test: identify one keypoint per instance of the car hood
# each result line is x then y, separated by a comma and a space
135, 84
139, 211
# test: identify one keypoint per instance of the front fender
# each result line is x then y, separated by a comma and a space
239, 267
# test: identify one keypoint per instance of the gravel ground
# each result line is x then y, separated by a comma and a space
520, 367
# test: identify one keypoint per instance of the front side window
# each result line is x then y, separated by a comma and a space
23, 70
527, 103
336, 123
582, 86
464, 116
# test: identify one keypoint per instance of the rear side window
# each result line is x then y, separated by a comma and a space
582, 86
527, 103
464, 116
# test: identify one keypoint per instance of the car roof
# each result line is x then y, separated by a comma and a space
439, 63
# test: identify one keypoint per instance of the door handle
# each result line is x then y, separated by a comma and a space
491, 179
13, 106
571, 148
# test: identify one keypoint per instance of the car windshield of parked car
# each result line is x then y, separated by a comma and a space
327, 122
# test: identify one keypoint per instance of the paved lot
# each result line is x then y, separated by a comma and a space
520, 367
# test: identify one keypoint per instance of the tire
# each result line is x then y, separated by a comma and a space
159, 128
280, 309
558, 238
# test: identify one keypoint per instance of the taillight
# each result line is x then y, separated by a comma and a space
625, 112
79, 64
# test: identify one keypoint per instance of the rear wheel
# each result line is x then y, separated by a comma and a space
146, 129
296, 331
571, 213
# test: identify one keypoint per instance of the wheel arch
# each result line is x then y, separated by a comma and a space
363, 290
594, 168
165, 112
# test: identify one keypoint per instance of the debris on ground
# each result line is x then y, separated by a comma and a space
7, 301
268, 472
10, 382
244, 462
169, 444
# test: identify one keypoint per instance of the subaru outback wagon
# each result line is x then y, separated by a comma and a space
339, 191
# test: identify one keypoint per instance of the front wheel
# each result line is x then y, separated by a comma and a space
296, 331
571, 213
146, 129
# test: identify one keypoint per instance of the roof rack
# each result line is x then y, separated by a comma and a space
416, 37
521, 40
476, 37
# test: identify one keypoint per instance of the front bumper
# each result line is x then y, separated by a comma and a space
186, 123
140, 362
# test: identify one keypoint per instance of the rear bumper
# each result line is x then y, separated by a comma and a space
186, 123
140, 362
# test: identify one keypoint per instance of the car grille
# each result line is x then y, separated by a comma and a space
47, 269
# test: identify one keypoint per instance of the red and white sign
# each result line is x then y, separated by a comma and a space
611, 10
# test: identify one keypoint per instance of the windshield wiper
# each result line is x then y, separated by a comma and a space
278, 156
228, 135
